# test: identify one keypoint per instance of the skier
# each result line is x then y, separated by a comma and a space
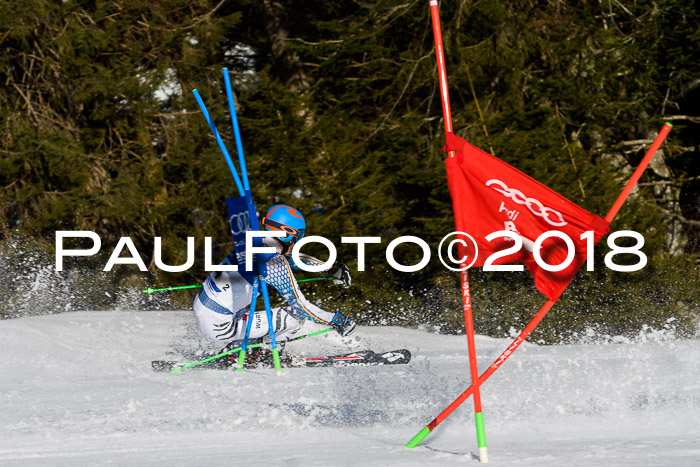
222, 305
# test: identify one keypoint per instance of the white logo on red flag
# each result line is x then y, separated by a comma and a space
482, 206
518, 196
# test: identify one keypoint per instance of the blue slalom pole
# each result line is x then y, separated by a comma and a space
249, 325
236, 131
239, 147
241, 191
273, 339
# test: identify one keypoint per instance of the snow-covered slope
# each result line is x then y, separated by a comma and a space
77, 389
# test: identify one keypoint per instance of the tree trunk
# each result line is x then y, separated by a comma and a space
289, 63
667, 196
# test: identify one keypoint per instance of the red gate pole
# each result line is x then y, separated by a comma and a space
546, 307
466, 293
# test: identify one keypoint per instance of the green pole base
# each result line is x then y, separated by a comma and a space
480, 430
276, 359
418, 438
481, 437
241, 359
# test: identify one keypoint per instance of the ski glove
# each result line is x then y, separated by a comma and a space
341, 273
343, 324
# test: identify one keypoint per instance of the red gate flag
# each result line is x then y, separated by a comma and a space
489, 195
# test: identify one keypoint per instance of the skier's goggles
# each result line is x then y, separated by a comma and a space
293, 234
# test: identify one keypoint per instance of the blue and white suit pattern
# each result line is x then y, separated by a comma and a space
225, 298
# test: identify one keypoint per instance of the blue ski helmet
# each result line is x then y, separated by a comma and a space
287, 219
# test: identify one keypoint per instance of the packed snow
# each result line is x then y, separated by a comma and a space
77, 389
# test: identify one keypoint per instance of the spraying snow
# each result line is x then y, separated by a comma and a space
78, 389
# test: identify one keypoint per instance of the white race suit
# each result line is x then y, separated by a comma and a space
221, 306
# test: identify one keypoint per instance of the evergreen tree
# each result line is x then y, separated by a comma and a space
340, 114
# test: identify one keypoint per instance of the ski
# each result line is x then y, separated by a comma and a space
361, 358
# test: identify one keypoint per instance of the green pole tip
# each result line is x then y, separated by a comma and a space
241, 360
418, 438
669, 124
148, 291
480, 431
276, 360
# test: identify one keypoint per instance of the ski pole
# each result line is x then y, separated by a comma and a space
209, 359
237, 349
150, 291
330, 278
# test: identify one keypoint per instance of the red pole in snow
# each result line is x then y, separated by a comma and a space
466, 293
548, 305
